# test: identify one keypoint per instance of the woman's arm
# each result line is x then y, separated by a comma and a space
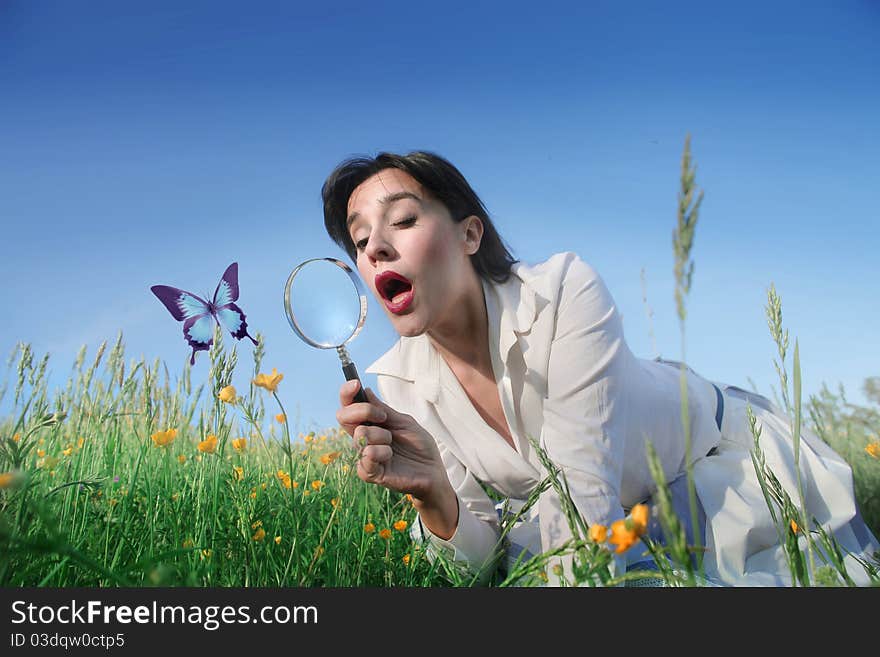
585, 412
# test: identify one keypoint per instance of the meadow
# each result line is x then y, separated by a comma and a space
129, 477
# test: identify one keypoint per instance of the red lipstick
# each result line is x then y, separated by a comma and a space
395, 289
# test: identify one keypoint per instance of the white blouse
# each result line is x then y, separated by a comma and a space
567, 379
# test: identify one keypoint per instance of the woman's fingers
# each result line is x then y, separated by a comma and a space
377, 454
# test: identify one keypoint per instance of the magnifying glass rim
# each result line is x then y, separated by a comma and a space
362, 294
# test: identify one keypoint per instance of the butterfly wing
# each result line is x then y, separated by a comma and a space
233, 320
229, 315
227, 288
193, 311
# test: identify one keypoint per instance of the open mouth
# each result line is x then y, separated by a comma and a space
392, 286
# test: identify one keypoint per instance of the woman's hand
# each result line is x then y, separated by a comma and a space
399, 454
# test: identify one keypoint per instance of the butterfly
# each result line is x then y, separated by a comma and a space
198, 316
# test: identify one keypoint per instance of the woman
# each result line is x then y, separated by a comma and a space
494, 352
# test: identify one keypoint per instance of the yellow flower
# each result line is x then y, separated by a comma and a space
639, 515
345, 468
162, 438
253, 494
385, 533
306, 493
598, 533
322, 438
794, 527
41, 453
16, 438
308, 439
369, 528
280, 418
327, 459
259, 535
319, 551
11, 479
623, 535
227, 395
400, 525
240, 444
334, 502
181, 458
874, 449
79, 443
237, 472
68, 451
269, 381
277, 540
317, 484
406, 559
206, 553
257, 523
408, 497
209, 444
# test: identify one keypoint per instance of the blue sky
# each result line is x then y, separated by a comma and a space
157, 142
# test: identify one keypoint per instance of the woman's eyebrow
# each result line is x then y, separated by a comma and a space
391, 198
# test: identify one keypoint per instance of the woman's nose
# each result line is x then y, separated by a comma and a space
378, 247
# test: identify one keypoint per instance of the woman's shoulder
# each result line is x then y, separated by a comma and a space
563, 269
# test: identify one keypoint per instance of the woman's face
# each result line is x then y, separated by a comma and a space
410, 252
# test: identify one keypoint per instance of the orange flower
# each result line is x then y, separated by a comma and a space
227, 395
259, 535
400, 525
369, 528
240, 444
334, 502
874, 449
269, 381
209, 444
162, 438
237, 472
79, 443
11, 479
385, 533
41, 453
277, 540
623, 536
598, 533
793, 526
308, 439
317, 484
408, 497
68, 451
406, 559
16, 438
280, 418
640, 516
327, 459
181, 458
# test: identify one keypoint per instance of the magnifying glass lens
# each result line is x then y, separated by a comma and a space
326, 303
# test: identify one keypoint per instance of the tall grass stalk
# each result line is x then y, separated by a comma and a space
682, 242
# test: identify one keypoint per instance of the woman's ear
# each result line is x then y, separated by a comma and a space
472, 233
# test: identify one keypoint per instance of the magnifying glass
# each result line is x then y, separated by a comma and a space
326, 305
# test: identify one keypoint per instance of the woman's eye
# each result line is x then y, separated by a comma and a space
360, 245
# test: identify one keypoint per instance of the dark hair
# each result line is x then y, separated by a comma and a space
441, 179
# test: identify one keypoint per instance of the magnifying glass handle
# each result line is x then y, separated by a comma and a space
350, 372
